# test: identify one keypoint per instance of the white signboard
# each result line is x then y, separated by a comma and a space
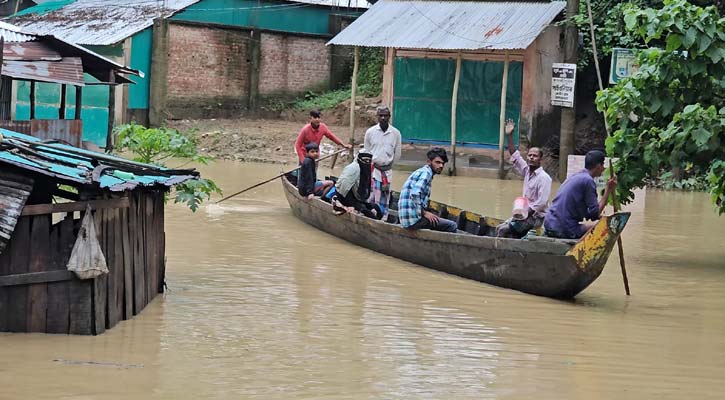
563, 77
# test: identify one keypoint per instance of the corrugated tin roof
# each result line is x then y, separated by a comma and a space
73, 164
30, 51
450, 25
68, 70
98, 22
11, 33
337, 3
14, 192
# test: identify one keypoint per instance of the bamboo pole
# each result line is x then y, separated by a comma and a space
502, 118
352, 100
275, 177
454, 106
615, 204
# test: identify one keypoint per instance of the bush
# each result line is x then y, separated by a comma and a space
156, 146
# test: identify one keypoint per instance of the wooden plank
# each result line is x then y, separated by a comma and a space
40, 259
100, 283
127, 264
4, 306
151, 268
118, 263
113, 303
33, 278
40, 209
81, 299
162, 241
139, 281
62, 241
19, 259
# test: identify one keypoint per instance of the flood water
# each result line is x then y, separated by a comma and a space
262, 306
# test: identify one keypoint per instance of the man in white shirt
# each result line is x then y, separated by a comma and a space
537, 188
383, 142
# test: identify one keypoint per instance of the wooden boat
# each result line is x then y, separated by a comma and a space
541, 266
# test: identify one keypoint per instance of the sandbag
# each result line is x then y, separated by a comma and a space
87, 260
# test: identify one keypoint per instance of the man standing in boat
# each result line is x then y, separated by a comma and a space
383, 141
415, 196
576, 200
537, 188
313, 132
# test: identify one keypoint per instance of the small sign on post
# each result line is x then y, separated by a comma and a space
563, 78
624, 64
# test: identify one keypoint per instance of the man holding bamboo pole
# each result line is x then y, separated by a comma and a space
576, 200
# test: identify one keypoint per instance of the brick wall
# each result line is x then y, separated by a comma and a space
208, 71
292, 64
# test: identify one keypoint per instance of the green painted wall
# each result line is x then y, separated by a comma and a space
94, 112
423, 91
45, 7
276, 15
140, 60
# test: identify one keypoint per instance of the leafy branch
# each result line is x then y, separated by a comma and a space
157, 146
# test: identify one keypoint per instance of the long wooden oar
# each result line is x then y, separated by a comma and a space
612, 173
273, 178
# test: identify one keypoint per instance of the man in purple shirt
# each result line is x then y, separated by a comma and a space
537, 188
576, 200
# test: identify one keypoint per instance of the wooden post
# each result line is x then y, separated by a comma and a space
61, 110
454, 106
568, 115
352, 101
111, 111
79, 102
502, 117
32, 100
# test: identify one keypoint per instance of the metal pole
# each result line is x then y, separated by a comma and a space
454, 105
568, 115
352, 101
502, 117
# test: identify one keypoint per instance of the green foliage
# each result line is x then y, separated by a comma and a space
610, 28
156, 146
667, 115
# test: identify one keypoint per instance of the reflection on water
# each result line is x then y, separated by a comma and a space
263, 306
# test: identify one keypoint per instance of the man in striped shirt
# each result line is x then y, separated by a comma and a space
415, 196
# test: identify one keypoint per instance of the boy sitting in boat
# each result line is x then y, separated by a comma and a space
415, 196
352, 188
307, 183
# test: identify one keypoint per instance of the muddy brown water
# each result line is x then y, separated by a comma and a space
262, 306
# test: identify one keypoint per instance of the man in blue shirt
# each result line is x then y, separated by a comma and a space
576, 200
415, 196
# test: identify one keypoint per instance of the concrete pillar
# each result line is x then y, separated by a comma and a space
159, 70
255, 56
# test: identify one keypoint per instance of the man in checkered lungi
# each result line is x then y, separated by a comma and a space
383, 142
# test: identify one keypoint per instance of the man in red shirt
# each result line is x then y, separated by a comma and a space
313, 133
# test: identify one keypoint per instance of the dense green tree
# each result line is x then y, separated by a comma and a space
670, 115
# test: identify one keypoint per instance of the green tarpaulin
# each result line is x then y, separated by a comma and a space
422, 99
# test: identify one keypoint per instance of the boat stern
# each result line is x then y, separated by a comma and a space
592, 251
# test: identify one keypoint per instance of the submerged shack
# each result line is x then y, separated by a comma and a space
45, 189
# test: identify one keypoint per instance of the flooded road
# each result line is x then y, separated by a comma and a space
262, 306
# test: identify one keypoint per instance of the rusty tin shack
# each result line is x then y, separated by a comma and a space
45, 188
